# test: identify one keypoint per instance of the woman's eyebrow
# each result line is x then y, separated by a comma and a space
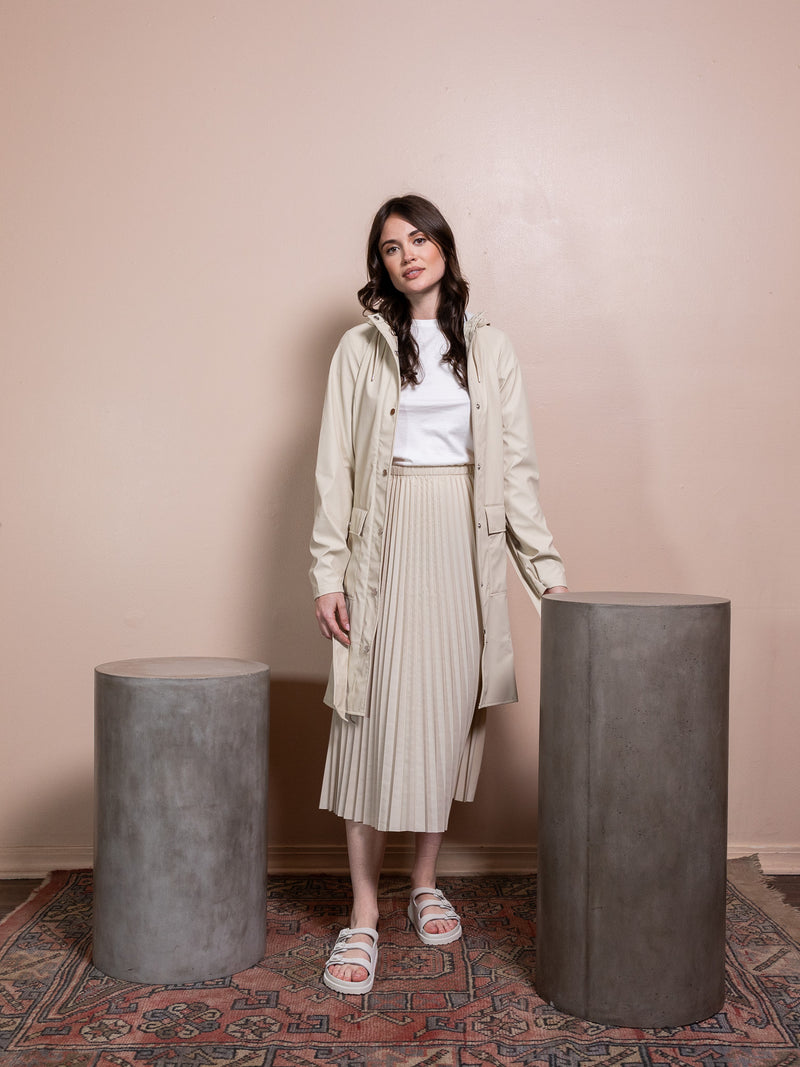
393, 241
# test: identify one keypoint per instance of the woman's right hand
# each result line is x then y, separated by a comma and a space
332, 617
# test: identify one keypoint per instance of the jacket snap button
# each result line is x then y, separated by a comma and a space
477, 405
385, 472
392, 412
479, 526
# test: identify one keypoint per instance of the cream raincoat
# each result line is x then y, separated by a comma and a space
353, 463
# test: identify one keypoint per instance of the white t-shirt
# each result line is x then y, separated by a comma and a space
433, 418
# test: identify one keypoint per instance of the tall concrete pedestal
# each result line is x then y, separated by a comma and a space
180, 818
632, 807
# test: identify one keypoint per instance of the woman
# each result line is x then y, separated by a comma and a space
426, 471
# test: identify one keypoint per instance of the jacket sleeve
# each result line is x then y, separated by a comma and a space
528, 538
334, 477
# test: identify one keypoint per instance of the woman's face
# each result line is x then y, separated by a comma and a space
415, 264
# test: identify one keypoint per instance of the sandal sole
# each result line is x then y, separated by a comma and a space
341, 985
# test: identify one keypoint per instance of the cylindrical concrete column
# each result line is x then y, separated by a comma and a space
632, 806
180, 818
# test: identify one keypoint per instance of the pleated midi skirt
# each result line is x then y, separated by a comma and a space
420, 744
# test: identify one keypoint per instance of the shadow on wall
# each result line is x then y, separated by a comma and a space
282, 609
282, 624
298, 740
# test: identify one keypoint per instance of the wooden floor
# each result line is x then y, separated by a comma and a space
789, 887
14, 891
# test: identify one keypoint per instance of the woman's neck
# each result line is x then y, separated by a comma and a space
425, 306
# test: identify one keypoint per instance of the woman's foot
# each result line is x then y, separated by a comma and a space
351, 965
433, 916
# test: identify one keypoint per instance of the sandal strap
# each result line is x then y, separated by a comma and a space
348, 931
441, 902
345, 944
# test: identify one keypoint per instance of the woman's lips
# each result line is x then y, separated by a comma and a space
411, 274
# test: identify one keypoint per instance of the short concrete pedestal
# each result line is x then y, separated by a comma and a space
632, 807
180, 818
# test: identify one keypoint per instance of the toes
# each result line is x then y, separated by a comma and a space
442, 926
348, 972
438, 925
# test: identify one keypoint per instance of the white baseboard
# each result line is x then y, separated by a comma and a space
35, 861
453, 860
774, 859
30, 861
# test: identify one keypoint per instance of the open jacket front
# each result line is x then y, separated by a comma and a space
353, 464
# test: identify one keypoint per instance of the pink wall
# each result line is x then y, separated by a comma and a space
187, 189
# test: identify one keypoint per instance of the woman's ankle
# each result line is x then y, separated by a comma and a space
364, 915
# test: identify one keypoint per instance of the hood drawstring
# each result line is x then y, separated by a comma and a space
375, 348
475, 363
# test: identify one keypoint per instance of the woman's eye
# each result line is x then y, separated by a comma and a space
420, 240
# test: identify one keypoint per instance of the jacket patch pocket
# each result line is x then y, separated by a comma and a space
496, 548
495, 518
358, 516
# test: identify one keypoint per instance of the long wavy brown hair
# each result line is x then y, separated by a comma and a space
380, 295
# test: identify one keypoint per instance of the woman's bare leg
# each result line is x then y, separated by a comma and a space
424, 874
365, 848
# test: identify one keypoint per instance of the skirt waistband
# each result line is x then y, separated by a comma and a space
406, 470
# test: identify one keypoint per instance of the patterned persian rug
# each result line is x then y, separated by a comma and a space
469, 1004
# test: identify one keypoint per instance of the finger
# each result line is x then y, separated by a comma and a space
332, 617
329, 628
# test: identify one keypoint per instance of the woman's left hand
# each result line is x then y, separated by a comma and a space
556, 589
332, 618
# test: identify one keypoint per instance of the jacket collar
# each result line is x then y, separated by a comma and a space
471, 327
383, 327
473, 323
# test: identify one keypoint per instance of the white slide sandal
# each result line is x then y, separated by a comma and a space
442, 905
344, 943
